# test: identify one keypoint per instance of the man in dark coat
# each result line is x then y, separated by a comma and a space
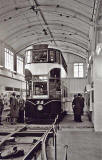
77, 108
14, 110
82, 104
73, 106
21, 105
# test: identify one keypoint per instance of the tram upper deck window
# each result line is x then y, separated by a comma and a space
51, 56
28, 56
39, 56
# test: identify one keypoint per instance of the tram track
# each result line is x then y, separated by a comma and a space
31, 139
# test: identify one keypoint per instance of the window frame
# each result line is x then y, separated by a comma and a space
9, 59
20, 64
79, 70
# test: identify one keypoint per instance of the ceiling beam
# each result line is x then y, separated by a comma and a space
68, 9
35, 25
68, 38
47, 41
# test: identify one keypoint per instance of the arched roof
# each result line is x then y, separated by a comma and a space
63, 24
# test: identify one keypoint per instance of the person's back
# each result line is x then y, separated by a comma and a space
13, 108
74, 106
82, 104
78, 105
78, 108
73, 102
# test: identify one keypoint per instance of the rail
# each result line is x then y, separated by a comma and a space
40, 145
11, 135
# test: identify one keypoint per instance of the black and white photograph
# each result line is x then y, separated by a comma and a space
50, 80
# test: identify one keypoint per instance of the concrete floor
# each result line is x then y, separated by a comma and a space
83, 143
68, 122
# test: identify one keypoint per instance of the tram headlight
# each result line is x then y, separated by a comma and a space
40, 107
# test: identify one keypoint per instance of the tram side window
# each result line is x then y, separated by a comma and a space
28, 56
58, 57
40, 56
55, 83
65, 92
51, 56
55, 73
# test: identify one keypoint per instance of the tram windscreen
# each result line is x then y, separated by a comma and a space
39, 56
40, 88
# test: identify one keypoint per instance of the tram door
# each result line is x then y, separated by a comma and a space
55, 84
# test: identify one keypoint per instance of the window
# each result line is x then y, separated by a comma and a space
8, 89
51, 56
9, 59
78, 70
58, 56
40, 56
40, 88
28, 56
20, 65
40, 85
17, 89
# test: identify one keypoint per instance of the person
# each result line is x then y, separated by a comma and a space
1, 108
21, 105
78, 108
82, 103
73, 106
6, 101
13, 109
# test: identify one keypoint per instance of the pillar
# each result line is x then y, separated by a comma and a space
98, 93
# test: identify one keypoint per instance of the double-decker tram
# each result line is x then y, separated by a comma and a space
46, 71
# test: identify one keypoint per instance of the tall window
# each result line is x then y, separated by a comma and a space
9, 59
78, 70
28, 56
20, 65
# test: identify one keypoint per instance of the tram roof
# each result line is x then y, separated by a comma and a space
62, 24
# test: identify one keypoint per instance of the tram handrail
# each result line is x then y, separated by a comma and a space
52, 127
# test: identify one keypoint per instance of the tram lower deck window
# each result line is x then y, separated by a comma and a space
40, 88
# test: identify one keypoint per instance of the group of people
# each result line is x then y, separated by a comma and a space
78, 107
17, 105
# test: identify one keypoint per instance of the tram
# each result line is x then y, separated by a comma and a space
46, 71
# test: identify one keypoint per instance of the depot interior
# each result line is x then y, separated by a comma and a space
74, 27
